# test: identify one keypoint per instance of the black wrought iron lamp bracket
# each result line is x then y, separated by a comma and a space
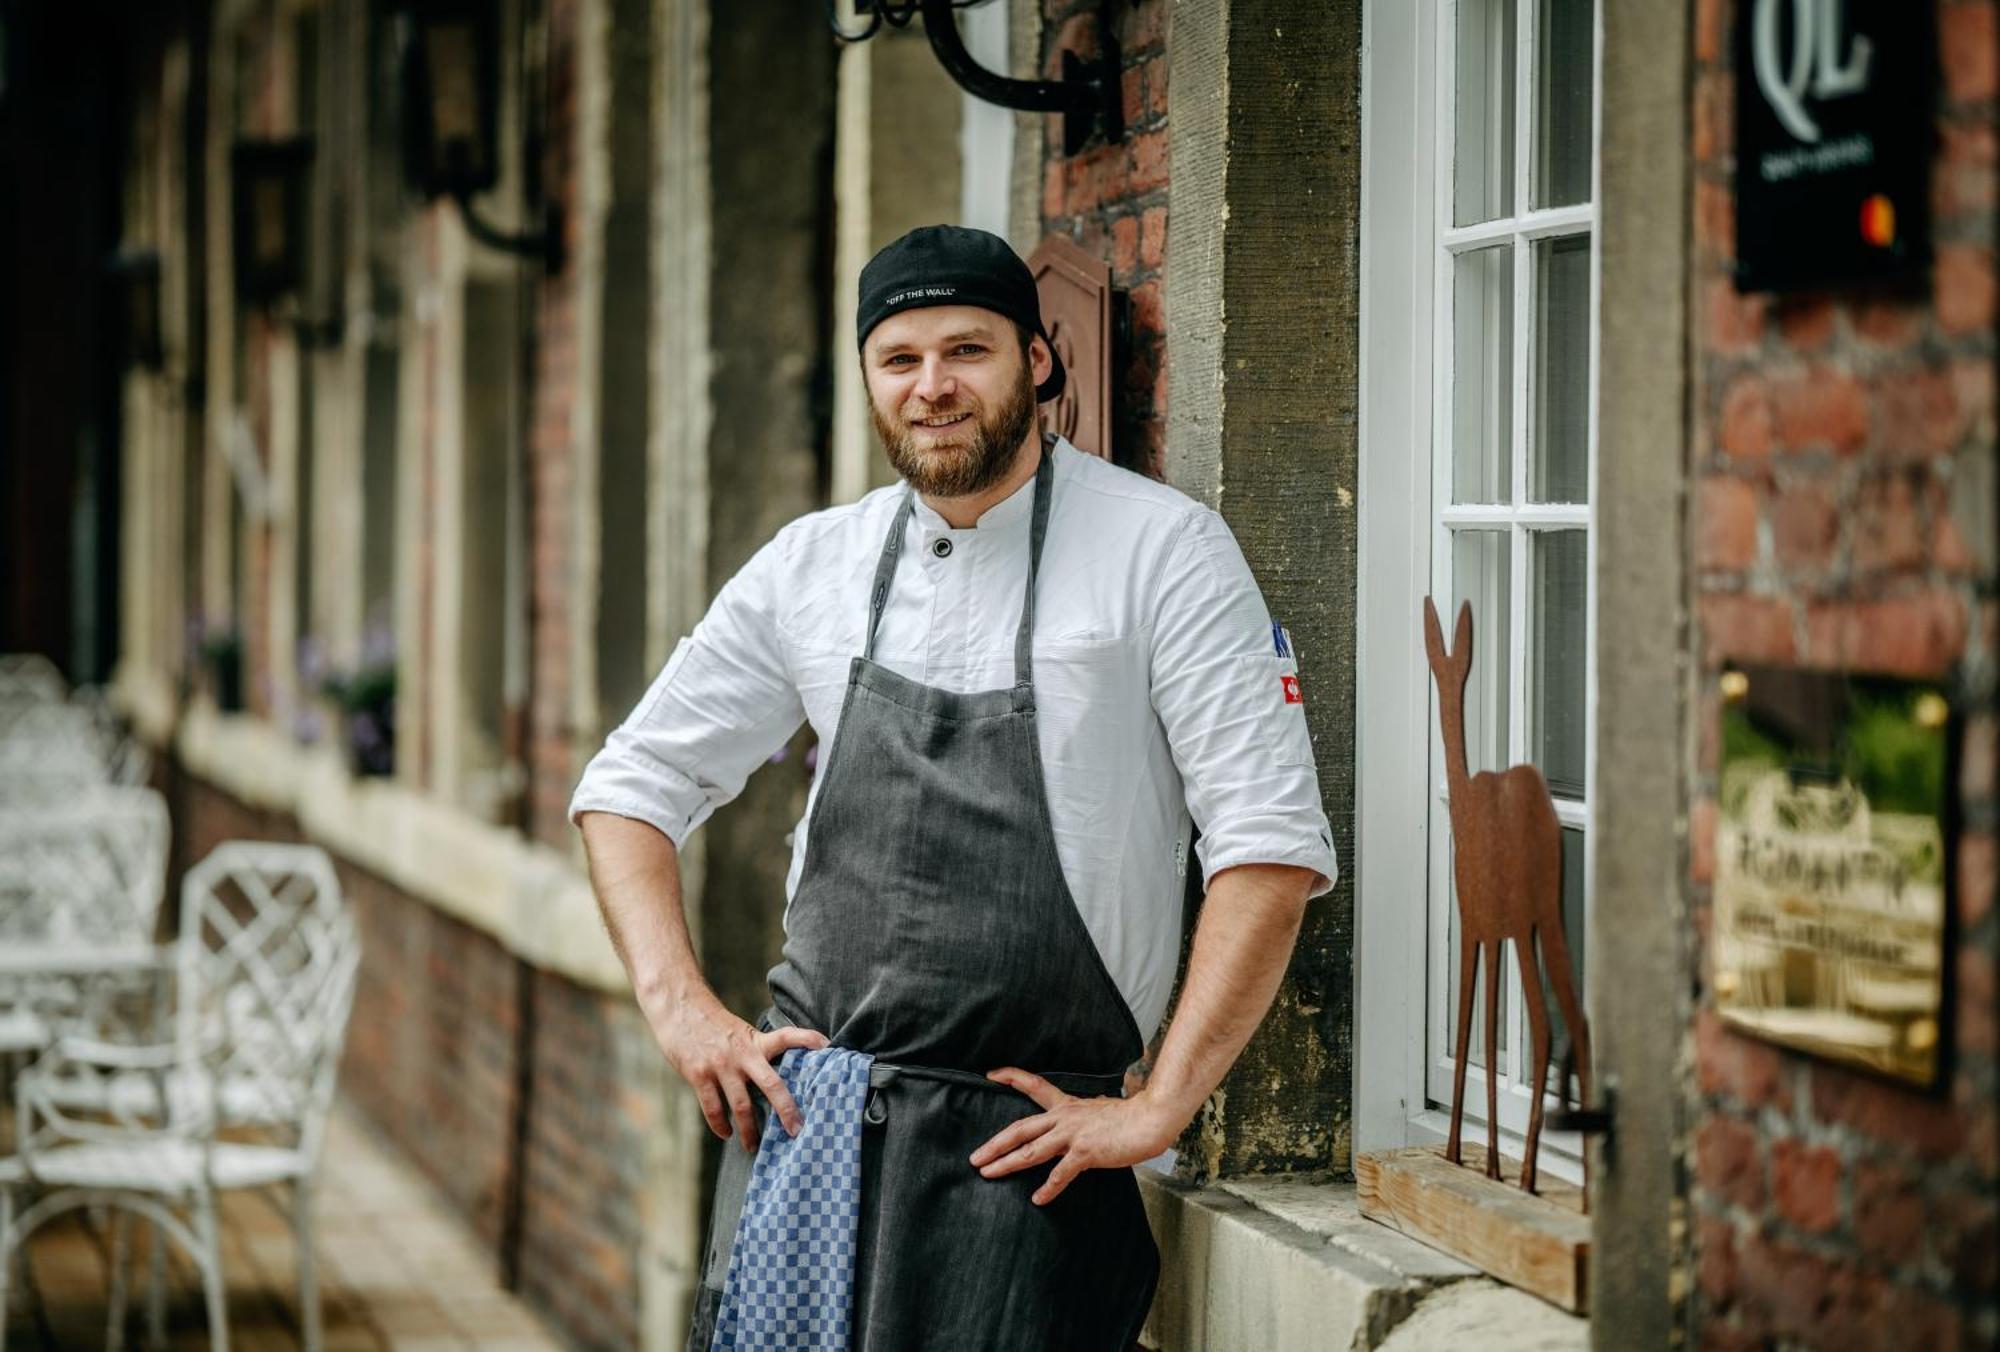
545, 244
1087, 95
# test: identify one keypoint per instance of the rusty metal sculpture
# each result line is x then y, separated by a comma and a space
1507, 847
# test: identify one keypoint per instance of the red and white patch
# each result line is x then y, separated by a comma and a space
1292, 693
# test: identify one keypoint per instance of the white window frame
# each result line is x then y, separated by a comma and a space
1407, 238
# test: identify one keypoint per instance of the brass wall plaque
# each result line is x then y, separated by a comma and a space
1076, 308
1831, 865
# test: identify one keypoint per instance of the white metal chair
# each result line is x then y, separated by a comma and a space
28, 677
80, 893
239, 1096
48, 752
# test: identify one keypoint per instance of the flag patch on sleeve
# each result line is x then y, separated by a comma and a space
1292, 693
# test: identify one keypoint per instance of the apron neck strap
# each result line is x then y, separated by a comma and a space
892, 553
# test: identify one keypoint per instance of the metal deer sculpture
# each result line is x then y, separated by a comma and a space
1507, 849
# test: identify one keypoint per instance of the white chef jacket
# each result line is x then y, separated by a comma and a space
1161, 690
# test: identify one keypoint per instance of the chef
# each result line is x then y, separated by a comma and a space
1030, 672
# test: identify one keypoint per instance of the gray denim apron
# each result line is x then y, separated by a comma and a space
933, 928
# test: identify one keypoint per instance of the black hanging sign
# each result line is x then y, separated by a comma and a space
1834, 131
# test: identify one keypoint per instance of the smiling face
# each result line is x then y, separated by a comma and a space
953, 395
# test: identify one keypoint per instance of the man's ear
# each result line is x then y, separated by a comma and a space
1040, 363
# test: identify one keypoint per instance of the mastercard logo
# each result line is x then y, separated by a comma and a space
1878, 221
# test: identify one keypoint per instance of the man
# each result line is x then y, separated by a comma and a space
985, 894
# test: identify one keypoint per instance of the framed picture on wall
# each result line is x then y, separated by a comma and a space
1833, 865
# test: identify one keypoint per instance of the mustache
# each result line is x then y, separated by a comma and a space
914, 409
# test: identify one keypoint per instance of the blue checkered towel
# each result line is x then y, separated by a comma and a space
790, 1283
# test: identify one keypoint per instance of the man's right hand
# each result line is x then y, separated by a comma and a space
721, 1056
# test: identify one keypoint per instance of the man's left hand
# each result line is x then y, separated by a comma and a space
1077, 1133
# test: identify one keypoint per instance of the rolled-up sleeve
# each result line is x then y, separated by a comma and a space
724, 702
1233, 711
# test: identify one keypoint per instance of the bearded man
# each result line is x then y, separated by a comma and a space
1023, 718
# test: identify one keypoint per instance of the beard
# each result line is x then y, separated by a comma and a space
978, 453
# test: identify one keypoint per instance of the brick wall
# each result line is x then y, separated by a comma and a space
434, 1060
1112, 200
1843, 517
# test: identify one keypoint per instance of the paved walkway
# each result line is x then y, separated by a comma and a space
397, 1271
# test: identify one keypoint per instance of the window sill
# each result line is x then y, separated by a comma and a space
1284, 1263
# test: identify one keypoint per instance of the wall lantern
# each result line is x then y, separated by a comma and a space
1087, 95
268, 192
135, 282
452, 101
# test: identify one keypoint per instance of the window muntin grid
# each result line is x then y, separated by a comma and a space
1514, 432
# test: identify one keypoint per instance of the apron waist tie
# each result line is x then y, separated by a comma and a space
1075, 1083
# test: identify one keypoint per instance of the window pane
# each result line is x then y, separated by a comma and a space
1483, 167
1560, 622
1562, 370
1482, 398
1572, 927
1563, 99
1480, 563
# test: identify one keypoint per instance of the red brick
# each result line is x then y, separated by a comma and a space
1888, 1215
1743, 628
1144, 26
1965, 1235
1963, 181
1147, 306
1977, 1015
1731, 1337
1715, 1261
1156, 89
1805, 525
1747, 425
1096, 176
1886, 1112
1725, 523
1714, 220
1149, 162
1967, 41
1821, 409
1735, 321
1917, 413
1712, 136
1964, 285
1710, 30
1887, 322
1976, 853
1132, 95
1125, 246
1808, 323
1795, 1296
1805, 1184
1153, 238
1729, 1162
1897, 1316
1701, 841
1742, 1068
1888, 523
1972, 387
1919, 635
1977, 776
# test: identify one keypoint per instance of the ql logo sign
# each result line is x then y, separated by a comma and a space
1824, 59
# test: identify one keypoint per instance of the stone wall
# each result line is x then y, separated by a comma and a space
1843, 517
